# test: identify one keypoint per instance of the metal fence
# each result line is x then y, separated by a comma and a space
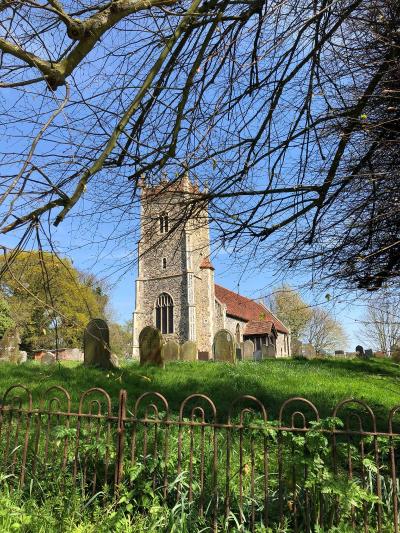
291, 474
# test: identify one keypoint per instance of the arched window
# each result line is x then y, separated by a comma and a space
163, 223
165, 313
238, 333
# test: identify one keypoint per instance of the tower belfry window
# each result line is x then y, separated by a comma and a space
165, 313
163, 223
164, 263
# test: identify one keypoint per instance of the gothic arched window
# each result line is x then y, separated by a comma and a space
163, 223
165, 313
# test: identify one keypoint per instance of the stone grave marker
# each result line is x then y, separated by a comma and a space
96, 344
248, 350
24, 356
48, 358
224, 346
170, 351
9, 346
268, 352
189, 351
360, 351
150, 346
257, 355
369, 353
339, 352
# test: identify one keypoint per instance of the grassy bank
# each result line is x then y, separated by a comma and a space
324, 382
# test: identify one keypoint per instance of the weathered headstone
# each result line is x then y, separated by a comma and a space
203, 356
48, 358
9, 346
268, 352
96, 344
360, 351
23, 356
339, 352
224, 346
150, 346
189, 351
114, 360
369, 353
170, 351
257, 355
248, 350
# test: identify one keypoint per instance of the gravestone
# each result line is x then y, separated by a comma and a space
189, 351
268, 352
48, 358
9, 346
24, 356
224, 346
170, 351
96, 344
360, 351
150, 346
248, 350
114, 360
203, 356
339, 352
257, 355
368, 354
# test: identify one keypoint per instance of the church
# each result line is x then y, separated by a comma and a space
175, 288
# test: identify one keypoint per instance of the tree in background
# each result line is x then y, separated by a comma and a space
310, 324
6, 320
324, 332
381, 323
49, 300
288, 305
286, 112
121, 339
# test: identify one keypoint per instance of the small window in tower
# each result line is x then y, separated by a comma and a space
163, 223
164, 263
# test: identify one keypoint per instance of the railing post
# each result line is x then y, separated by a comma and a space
119, 462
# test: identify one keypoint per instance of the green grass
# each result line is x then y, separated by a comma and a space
324, 382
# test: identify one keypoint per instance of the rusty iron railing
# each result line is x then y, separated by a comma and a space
294, 472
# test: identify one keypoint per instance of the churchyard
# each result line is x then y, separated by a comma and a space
181, 466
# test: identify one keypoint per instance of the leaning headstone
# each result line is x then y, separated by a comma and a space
248, 350
48, 358
189, 351
368, 354
224, 346
150, 346
96, 344
9, 346
170, 351
360, 351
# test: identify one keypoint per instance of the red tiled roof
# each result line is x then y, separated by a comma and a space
206, 263
257, 327
246, 309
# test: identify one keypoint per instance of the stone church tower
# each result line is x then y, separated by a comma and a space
175, 285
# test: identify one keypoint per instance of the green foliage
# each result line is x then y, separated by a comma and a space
6, 320
48, 296
289, 306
